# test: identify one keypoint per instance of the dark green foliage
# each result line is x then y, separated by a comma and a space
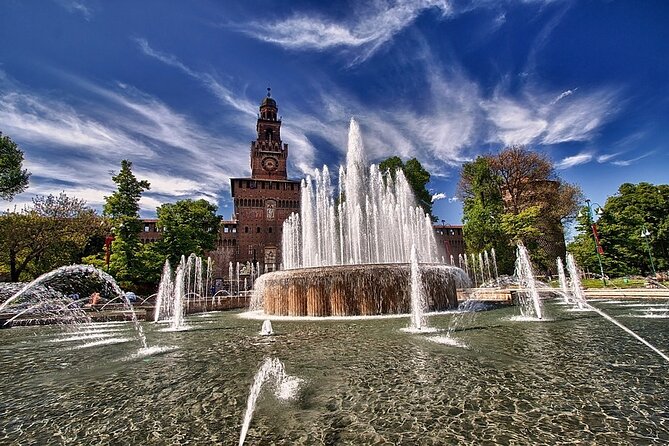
188, 227
482, 213
416, 176
128, 261
620, 225
13, 179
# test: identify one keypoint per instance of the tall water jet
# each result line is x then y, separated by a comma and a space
285, 388
351, 255
564, 287
528, 284
575, 281
418, 320
494, 262
163, 308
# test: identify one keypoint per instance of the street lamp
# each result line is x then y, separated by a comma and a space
598, 247
645, 233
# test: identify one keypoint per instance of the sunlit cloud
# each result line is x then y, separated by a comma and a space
438, 196
531, 119
574, 160
371, 27
624, 163
607, 157
173, 152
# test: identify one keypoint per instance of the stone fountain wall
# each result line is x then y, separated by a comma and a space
354, 290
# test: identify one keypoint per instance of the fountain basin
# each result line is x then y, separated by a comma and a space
352, 290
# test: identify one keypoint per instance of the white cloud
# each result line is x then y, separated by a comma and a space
453, 199
207, 80
574, 160
438, 196
371, 27
530, 118
606, 157
563, 95
74, 147
624, 163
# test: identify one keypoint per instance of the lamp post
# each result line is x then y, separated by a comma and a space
645, 233
598, 247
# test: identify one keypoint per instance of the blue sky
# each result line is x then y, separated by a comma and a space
175, 87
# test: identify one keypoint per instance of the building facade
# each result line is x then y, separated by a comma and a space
261, 202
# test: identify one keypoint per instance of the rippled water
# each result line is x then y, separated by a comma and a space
573, 379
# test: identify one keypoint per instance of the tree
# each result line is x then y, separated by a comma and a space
122, 208
13, 179
636, 208
52, 233
483, 208
416, 176
188, 227
535, 203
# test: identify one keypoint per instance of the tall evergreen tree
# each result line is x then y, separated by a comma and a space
122, 208
13, 178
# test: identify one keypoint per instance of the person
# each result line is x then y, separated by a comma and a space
94, 299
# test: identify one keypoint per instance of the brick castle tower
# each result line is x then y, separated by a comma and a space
263, 201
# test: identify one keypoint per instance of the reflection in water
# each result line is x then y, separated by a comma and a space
576, 379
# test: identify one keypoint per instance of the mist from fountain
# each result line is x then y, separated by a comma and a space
562, 279
530, 304
285, 388
65, 277
377, 221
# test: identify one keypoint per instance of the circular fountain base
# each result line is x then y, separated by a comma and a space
353, 290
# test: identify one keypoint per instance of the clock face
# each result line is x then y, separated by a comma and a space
270, 164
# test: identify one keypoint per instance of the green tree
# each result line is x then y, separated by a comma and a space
532, 203
188, 227
635, 208
416, 176
122, 209
483, 209
53, 232
13, 179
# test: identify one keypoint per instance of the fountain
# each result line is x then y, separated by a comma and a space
285, 388
266, 329
68, 280
530, 304
350, 255
177, 291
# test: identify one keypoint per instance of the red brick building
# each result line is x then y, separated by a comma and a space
261, 202
451, 239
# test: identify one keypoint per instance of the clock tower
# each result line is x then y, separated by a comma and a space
268, 153
263, 201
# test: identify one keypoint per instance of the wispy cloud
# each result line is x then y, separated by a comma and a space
367, 29
207, 80
530, 118
574, 160
628, 162
177, 155
563, 95
78, 6
607, 157
438, 196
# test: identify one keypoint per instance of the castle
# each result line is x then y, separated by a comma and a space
263, 201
